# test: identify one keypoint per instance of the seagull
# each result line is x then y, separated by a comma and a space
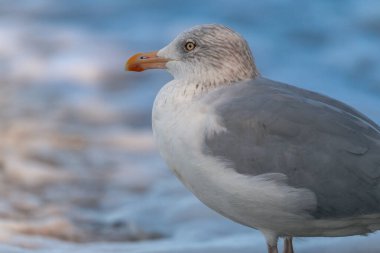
284, 160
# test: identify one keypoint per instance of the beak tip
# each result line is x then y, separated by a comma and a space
133, 67
143, 61
132, 64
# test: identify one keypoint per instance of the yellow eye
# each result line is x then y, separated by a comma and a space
189, 46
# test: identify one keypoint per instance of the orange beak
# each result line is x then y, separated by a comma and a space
142, 61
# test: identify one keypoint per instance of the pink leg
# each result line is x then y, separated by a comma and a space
271, 238
272, 249
288, 245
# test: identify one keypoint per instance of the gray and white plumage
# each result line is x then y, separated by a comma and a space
284, 160
318, 143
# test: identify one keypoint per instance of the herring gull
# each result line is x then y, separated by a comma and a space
284, 160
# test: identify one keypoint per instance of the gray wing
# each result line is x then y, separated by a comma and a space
319, 143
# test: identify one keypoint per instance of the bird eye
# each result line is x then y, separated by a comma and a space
190, 45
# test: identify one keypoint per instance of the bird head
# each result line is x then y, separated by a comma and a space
208, 54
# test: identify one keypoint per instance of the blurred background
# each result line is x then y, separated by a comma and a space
79, 170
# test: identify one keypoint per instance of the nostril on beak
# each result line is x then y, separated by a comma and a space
143, 57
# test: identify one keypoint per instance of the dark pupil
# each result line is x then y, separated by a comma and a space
190, 46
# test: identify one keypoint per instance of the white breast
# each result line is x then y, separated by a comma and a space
180, 124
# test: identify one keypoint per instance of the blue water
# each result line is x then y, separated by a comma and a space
321, 45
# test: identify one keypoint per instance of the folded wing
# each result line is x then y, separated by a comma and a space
319, 143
